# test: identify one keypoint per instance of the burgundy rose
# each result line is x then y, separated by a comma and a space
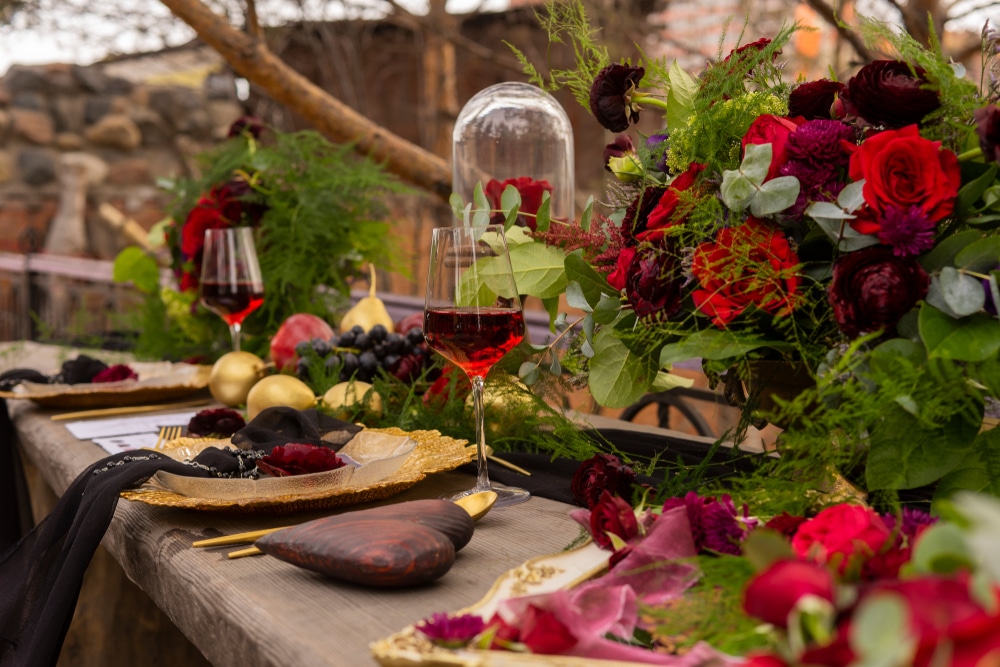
622, 146
611, 93
887, 93
246, 125
637, 214
988, 130
785, 523
737, 55
299, 459
872, 289
531, 192
115, 373
218, 422
600, 473
773, 593
813, 100
612, 515
774, 130
653, 282
670, 209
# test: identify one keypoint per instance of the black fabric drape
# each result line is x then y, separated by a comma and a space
15, 509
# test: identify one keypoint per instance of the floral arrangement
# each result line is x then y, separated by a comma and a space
319, 216
844, 232
700, 581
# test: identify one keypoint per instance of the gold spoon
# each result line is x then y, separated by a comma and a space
477, 504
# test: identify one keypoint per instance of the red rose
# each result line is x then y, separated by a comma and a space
115, 373
772, 594
903, 170
612, 515
653, 282
813, 100
843, 535
205, 215
531, 198
598, 474
886, 93
872, 289
774, 130
618, 277
299, 459
637, 213
543, 633
749, 265
669, 209
755, 659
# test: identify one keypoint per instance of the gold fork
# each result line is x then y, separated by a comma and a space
168, 433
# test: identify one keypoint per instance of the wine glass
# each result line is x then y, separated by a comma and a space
231, 283
472, 317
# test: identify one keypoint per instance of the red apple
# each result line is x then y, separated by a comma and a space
297, 328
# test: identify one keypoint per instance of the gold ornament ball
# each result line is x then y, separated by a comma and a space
279, 390
232, 377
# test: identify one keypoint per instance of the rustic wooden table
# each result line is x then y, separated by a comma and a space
249, 611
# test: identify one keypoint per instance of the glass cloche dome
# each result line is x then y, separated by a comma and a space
510, 132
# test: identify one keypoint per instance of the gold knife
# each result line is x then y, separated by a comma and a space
129, 410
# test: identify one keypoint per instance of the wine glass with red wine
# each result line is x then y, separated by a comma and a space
231, 283
472, 317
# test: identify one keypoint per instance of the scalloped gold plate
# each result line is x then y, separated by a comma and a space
158, 381
433, 453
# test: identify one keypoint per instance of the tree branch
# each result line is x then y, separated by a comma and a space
251, 58
827, 14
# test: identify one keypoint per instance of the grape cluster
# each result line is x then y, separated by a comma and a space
359, 354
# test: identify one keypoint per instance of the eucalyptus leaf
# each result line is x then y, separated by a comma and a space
737, 190
880, 634
980, 256
510, 199
852, 196
756, 162
135, 265
575, 297
457, 205
618, 376
963, 293
775, 195
825, 209
555, 367
935, 297
941, 549
974, 338
542, 219
480, 217
539, 269
479, 197
510, 218
846, 237
529, 373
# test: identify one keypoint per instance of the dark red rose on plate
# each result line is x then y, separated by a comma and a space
600, 473
773, 593
611, 93
813, 100
873, 288
115, 373
903, 170
988, 130
215, 422
612, 515
653, 282
886, 93
299, 459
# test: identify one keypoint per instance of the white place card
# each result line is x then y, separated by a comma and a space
88, 429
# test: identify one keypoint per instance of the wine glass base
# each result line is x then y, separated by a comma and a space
506, 495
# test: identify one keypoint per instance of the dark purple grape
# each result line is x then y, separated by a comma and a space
351, 363
415, 336
395, 343
302, 349
368, 360
320, 347
357, 329
333, 361
378, 333
390, 360
347, 339
302, 369
366, 375
362, 341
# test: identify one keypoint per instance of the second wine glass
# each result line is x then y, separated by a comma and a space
232, 286
472, 317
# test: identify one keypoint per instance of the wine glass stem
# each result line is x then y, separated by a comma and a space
482, 476
234, 331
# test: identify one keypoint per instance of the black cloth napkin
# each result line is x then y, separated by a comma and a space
41, 575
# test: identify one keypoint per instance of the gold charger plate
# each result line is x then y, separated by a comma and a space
433, 453
158, 381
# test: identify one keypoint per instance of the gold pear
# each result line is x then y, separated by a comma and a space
279, 390
367, 312
233, 375
343, 397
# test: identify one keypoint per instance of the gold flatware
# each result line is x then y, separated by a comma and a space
249, 551
490, 456
238, 538
477, 504
167, 434
129, 410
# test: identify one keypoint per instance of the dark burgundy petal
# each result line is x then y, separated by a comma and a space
886, 93
609, 96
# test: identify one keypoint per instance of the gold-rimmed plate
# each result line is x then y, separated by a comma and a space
432, 453
158, 381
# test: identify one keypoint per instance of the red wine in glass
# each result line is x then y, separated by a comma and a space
232, 302
473, 338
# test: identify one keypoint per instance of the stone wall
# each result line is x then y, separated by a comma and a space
63, 123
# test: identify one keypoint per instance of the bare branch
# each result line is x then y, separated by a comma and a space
827, 14
251, 58
253, 25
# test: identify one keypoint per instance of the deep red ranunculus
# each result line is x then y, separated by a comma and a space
531, 192
637, 214
988, 130
115, 373
612, 515
669, 209
299, 459
653, 282
785, 523
813, 100
748, 265
598, 474
842, 535
774, 130
901, 170
610, 96
885, 93
218, 422
772, 594
873, 288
